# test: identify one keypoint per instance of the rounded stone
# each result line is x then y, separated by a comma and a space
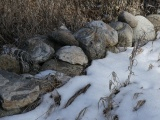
110, 34
9, 63
125, 34
39, 51
72, 54
64, 67
155, 20
93, 42
63, 37
128, 18
144, 31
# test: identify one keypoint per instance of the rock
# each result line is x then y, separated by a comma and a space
53, 79
16, 92
4, 113
144, 31
125, 34
39, 51
117, 49
63, 37
25, 61
72, 55
92, 41
128, 18
9, 63
43, 38
110, 34
22, 93
64, 67
155, 20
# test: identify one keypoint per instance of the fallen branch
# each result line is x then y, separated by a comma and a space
82, 90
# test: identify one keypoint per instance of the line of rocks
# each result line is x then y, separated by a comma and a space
67, 53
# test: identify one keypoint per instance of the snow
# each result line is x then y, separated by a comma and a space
145, 83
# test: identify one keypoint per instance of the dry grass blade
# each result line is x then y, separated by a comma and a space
82, 90
139, 51
103, 100
150, 67
132, 61
136, 95
114, 76
81, 114
140, 103
25, 18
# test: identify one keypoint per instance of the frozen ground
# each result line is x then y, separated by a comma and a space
145, 86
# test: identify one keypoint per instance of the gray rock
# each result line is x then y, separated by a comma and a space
110, 34
39, 51
125, 34
64, 67
9, 63
21, 93
144, 31
25, 61
4, 113
45, 39
16, 92
155, 20
92, 41
63, 37
72, 55
128, 18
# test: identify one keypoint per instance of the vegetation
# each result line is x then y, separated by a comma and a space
21, 19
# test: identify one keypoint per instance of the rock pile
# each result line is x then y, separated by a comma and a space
66, 53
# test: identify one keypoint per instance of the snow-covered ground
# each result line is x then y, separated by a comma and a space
145, 86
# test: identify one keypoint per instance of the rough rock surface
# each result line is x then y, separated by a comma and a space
110, 34
144, 31
24, 59
9, 63
72, 54
155, 20
43, 38
38, 50
16, 92
19, 91
63, 37
128, 18
92, 41
64, 67
125, 34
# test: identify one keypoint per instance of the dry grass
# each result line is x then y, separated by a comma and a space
24, 18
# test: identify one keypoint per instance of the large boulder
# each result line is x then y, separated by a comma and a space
144, 31
64, 37
93, 42
110, 34
16, 92
9, 63
23, 58
72, 55
125, 34
128, 18
64, 67
38, 50
21, 93
155, 20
